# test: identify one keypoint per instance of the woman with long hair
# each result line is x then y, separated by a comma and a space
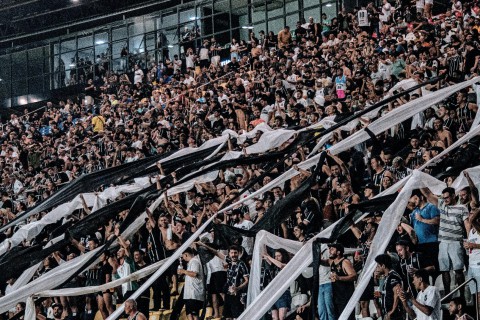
472, 245
278, 262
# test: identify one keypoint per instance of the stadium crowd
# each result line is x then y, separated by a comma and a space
326, 66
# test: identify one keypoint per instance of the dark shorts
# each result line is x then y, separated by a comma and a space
368, 294
217, 281
233, 308
430, 252
193, 306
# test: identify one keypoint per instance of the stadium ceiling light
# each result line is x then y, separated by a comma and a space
72, 64
100, 42
170, 46
328, 5
193, 18
248, 27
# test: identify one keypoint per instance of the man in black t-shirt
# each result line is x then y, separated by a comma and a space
409, 263
390, 302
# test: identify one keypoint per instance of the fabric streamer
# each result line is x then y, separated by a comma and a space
302, 259
390, 220
163, 268
134, 225
112, 175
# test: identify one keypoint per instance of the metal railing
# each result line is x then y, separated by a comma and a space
474, 295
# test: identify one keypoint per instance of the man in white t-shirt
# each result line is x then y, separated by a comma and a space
193, 290
242, 223
427, 305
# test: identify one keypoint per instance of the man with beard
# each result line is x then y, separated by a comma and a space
144, 299
236, 285
342, 275
410, 262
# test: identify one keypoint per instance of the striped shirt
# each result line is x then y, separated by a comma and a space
451, 221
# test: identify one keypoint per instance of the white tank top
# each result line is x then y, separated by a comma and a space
474, 254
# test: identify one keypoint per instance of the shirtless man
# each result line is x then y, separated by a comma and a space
442, 135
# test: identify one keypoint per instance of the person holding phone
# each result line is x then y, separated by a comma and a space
427, 304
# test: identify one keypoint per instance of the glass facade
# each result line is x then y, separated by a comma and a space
28, 74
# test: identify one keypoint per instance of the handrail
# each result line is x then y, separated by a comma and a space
461, 286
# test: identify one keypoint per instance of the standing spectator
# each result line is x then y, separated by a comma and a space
472, 245
138, 75
237, 282
284, 38
393, 282
453, 225
282, 305
194, 290
409, 263
426, 305
425, 220
342, 275
326, 307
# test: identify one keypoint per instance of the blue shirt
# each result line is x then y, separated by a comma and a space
426, 233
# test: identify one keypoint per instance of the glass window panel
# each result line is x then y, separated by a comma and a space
275, 25
244, 34
101, 38
310, 3
35, 62
206, 26
313, 12
261, 26
101, 50
19, 88
56, 48
243, 20
221, 22
118, 65
258, 14
47, 80
4, 90
19, 65
149, 25
292, 21
171, 35
291, 6
330, 9
68, 45
136, 27
47, 65
136, 45
85, 42
240, 7
35, 84
150, 42
187, 15
221, 6
168, 20
275, 9
5, 70
119, 33
117, 48
58, 81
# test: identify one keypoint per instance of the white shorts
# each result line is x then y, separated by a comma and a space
451, 256
474, 272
